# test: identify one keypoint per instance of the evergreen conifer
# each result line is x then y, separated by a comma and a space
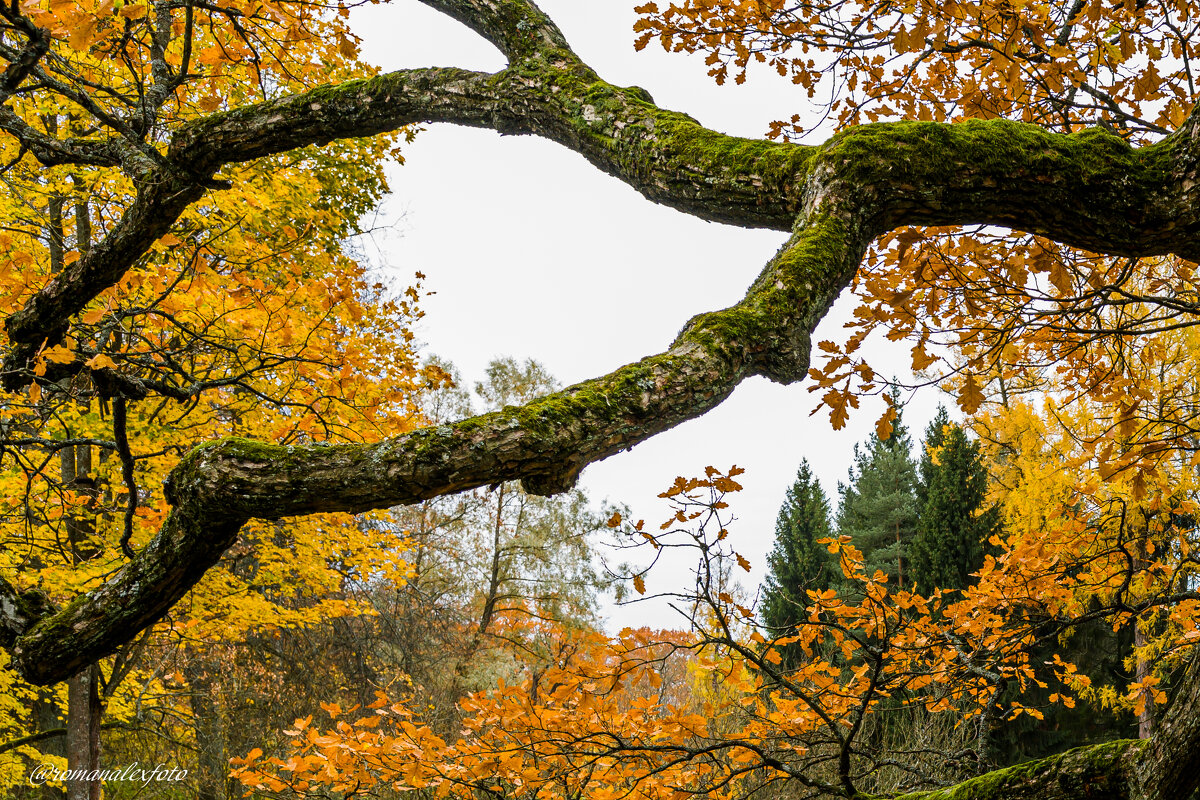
797, 563
954, 527
878, 508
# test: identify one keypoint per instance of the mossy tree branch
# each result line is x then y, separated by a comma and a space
545, 444
1089, 190
1095, 772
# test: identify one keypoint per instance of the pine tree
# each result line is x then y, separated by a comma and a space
954, 526
797, 563
878, 508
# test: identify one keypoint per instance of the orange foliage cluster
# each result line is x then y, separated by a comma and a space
714, 710
996, 318
1059, 65
992, 315
594, 719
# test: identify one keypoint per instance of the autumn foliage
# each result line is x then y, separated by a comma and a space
249, 312
715, 709
1058, 65
987, 312
251, 317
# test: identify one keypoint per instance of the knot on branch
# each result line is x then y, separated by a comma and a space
551, 483
20, 611
787, 361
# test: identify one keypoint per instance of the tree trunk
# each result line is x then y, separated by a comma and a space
1144, 671
83, 690
83, 734
211, 759
47, 717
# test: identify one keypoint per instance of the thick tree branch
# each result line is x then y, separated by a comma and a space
518, 27
51, 152
511, 102
1088, 190
1121, 201
546, 443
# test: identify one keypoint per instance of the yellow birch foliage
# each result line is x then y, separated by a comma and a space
251, 317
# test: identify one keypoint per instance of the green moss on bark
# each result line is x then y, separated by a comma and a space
1095, 772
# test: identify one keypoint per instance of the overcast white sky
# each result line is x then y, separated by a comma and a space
534, 253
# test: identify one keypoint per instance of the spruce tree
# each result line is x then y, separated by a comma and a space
954, 527
935, 437
878, 508
797, 563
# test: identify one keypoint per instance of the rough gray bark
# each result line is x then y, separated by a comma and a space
1088, 190
83, 733
1169, 765
211, 759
